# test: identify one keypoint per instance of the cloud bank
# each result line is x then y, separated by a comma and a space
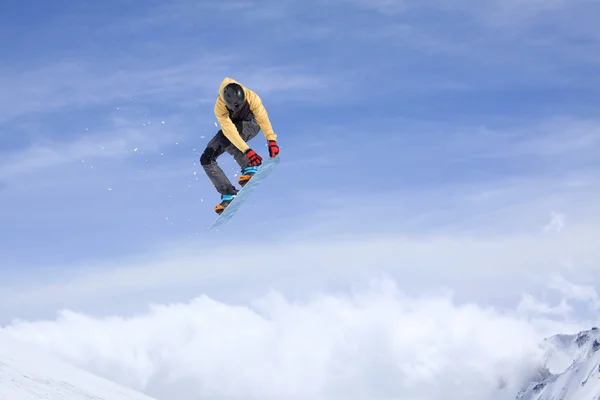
376, 342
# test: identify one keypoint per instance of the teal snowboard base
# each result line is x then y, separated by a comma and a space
263, 171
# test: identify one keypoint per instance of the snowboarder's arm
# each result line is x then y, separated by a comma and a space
228, 127
262, 117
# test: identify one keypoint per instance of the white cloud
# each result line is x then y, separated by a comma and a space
571, 137
494, 13
555, 137
530, 304
77, 84
376, 342
119, 139
586, 294
499, 13
509, 40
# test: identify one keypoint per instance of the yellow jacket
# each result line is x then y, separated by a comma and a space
257, 108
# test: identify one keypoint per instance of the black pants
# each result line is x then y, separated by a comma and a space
218, 145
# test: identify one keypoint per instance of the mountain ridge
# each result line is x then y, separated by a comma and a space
28, 372
571, 369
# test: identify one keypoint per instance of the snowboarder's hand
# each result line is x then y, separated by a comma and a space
255, 159
273, 148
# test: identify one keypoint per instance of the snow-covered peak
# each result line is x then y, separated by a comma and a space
563, 350
27, 373
573, 369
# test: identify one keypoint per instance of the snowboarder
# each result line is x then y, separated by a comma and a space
241, 113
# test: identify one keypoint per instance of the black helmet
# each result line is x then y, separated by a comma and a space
234, 97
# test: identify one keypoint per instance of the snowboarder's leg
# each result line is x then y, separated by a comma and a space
214, 149
248, 130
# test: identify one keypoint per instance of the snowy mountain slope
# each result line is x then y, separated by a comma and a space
573, 363
27, 373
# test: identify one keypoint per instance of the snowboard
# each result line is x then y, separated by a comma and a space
263, 171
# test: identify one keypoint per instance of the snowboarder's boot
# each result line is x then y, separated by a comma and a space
225, 200
246, 175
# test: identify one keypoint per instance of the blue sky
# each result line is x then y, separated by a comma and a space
388, 114
441, 146
361, 94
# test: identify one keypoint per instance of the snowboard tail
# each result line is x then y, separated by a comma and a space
264, 170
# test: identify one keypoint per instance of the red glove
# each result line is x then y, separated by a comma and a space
255, 159
273, 148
